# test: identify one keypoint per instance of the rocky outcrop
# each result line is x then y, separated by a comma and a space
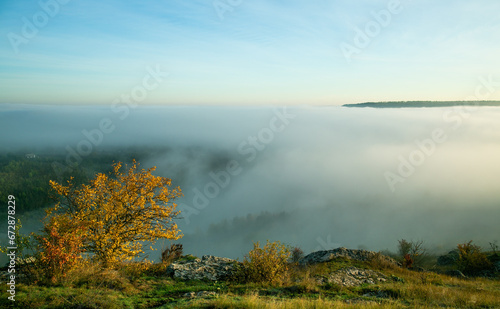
350, 276
353, 276
351, 254
209, 267
448, 259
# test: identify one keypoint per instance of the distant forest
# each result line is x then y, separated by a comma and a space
416, 104
26, 176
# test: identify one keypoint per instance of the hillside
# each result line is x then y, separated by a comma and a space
419, 104
339, 278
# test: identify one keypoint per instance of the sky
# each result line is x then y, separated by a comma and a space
241, 52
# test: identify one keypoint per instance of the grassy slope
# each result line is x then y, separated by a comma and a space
148, 287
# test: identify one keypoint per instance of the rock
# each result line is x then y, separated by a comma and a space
189, 295
353, 276
448, 259
206, 294
209, 267
352, 254
378, 294
361, 301
455, 273
397, 279
199, 294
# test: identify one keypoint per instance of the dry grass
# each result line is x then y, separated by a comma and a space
93, 276
144, 285
254, 301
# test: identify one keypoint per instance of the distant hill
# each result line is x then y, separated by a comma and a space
416, 104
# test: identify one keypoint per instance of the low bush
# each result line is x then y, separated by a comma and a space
297, 254
471, 260
268, 264
171, 254
59, 251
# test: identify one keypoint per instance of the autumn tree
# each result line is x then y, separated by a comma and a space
118, 212
411, 252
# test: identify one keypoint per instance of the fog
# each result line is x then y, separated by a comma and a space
313, 177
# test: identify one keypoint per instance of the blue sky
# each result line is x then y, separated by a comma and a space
243, 52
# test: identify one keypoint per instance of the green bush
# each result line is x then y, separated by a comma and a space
268, 264
471, 260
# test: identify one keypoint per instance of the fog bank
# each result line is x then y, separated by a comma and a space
314, 177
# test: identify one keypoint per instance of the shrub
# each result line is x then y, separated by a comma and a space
26, 253
404, 247
472, 260
494, 247
408, 261
59, 251
268, 264
411, 252
297, 254
171, 254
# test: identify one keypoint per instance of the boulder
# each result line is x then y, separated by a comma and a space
202, 294
351, 254
397, 279
209, 268
448, 259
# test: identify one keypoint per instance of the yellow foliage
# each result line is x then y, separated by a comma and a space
119, 211
268, 264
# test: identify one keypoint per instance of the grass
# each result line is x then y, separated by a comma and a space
143, 285
29, 296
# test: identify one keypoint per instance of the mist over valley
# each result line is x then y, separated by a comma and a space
313, 177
